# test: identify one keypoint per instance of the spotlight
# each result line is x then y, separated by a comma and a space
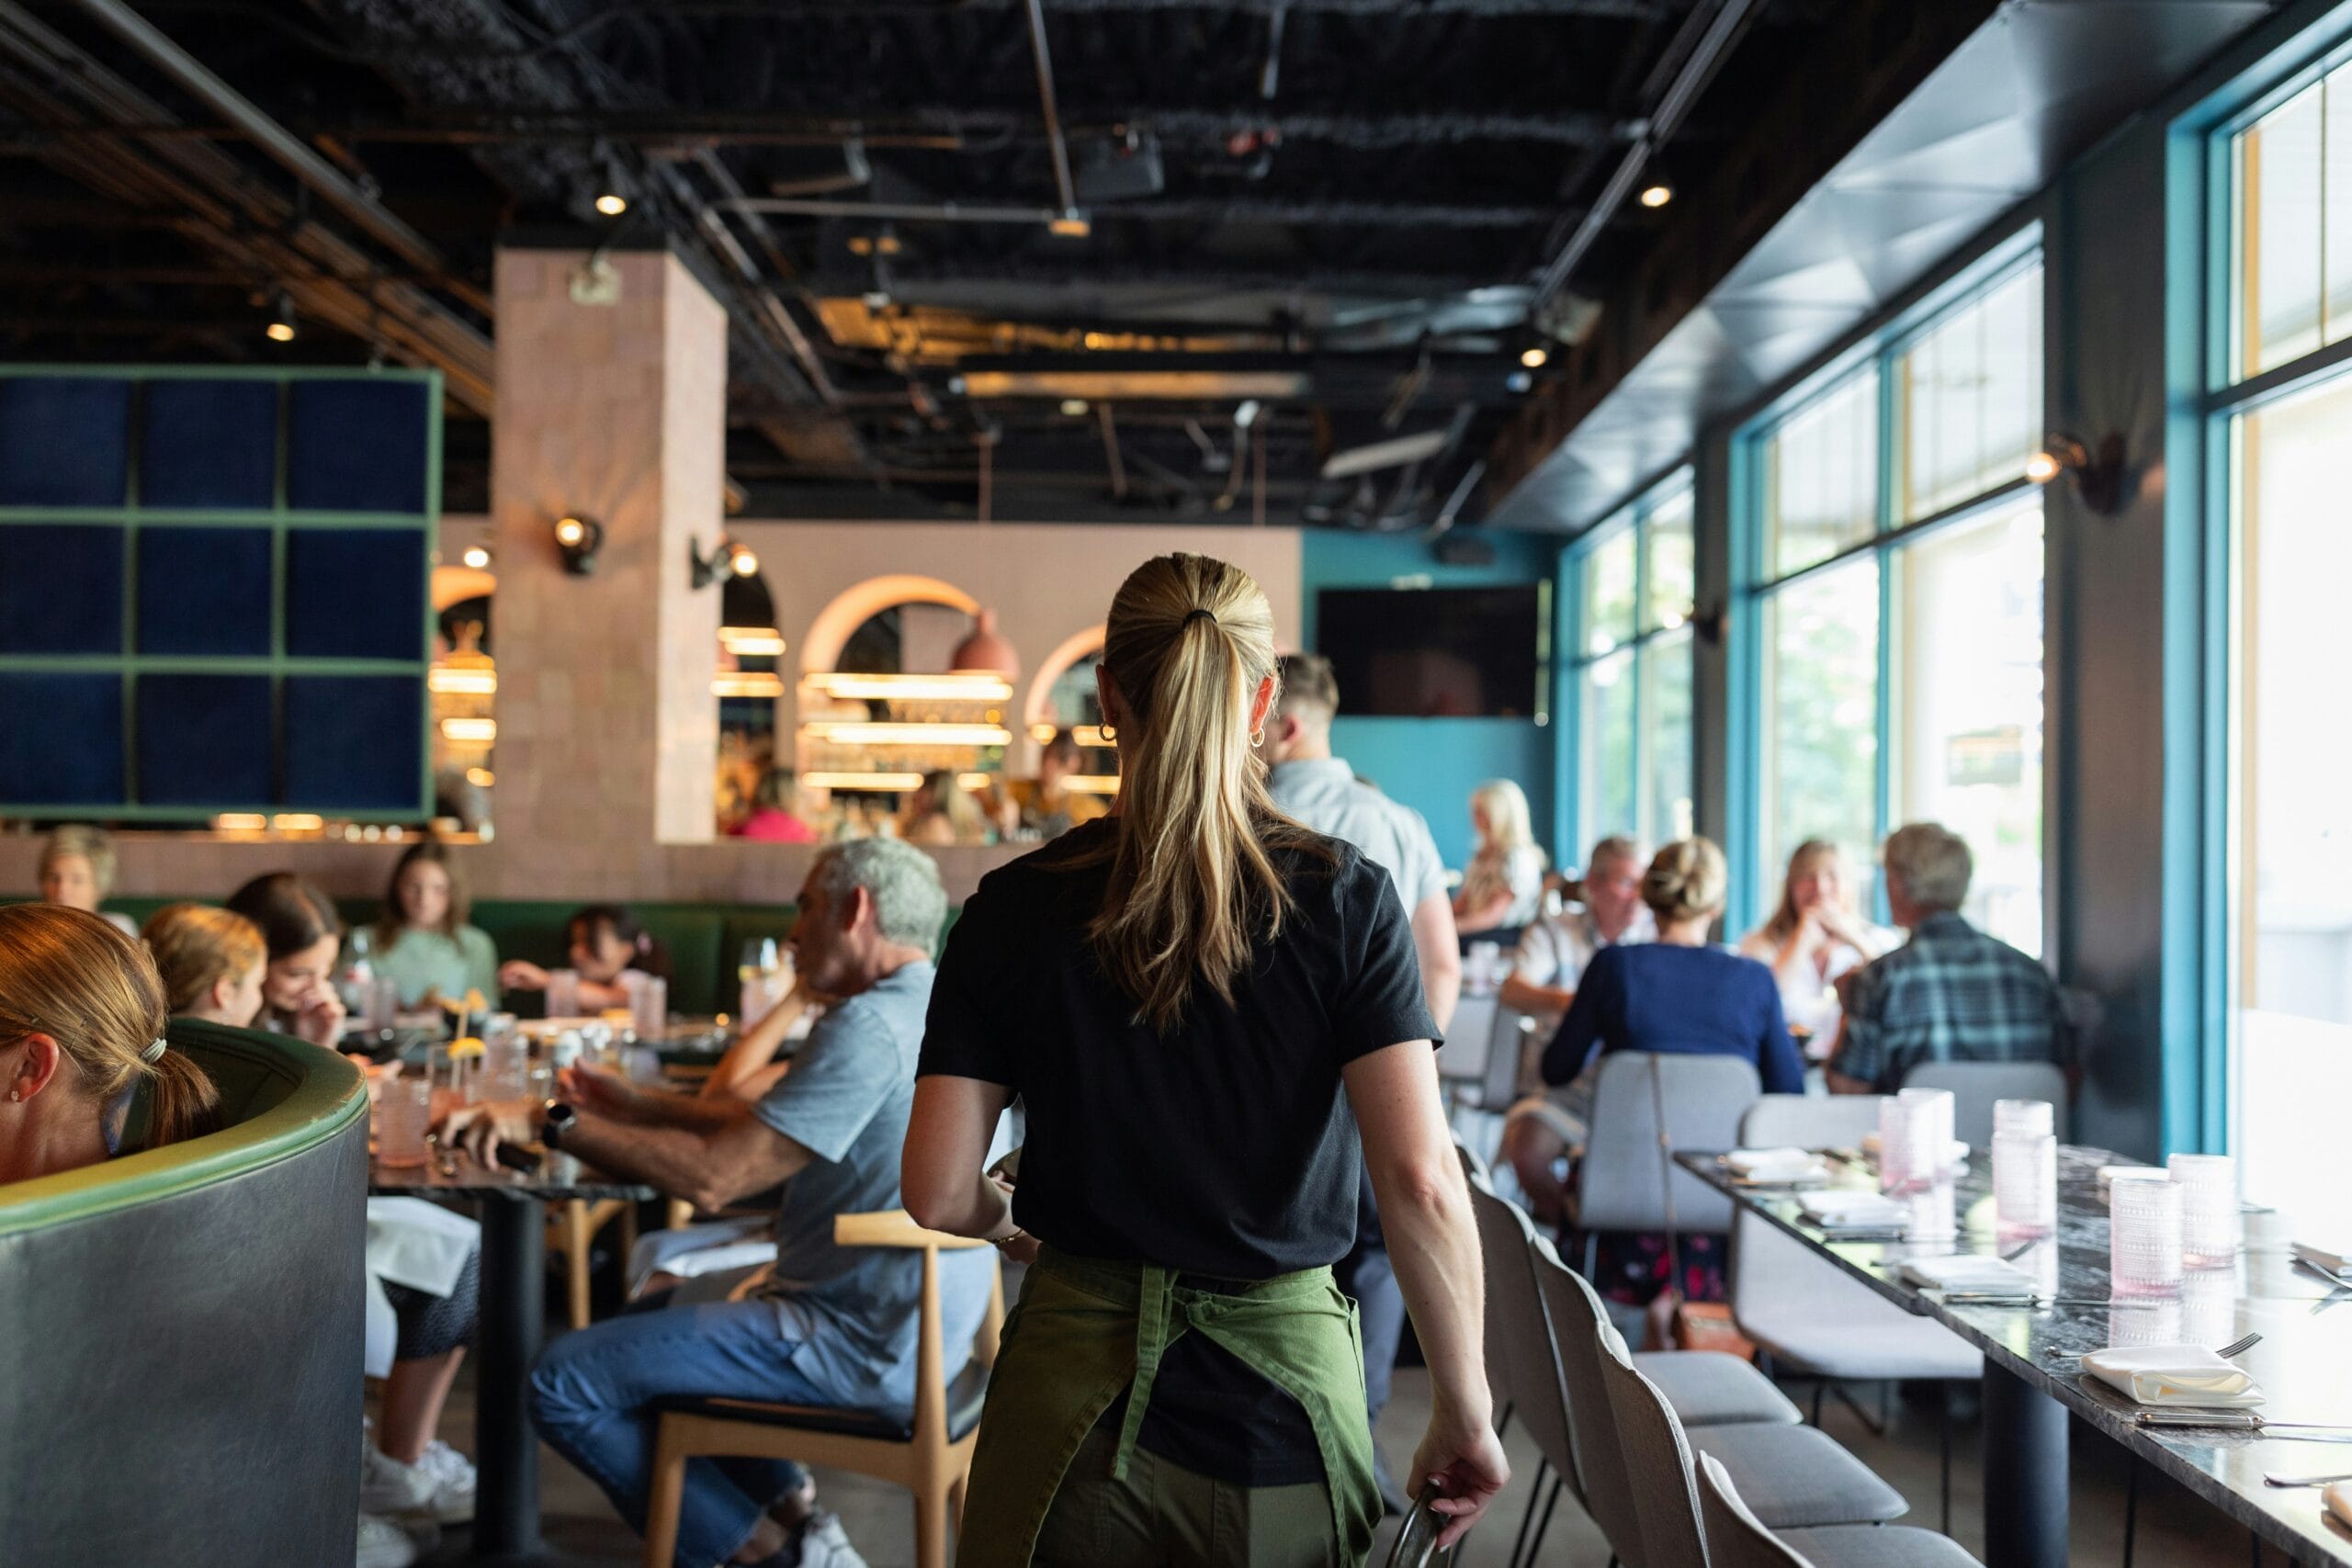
612, 204
1073, 407
281, 321
2042, 467
579, 539
2098, 472
1535, 357
1657, 196
477, 557
727, 557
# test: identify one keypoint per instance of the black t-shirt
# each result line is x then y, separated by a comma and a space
1224, 1149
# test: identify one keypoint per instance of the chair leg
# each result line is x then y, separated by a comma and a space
931, 1527
1592, 1256
668, 1496
1820, 1387
1543, 1525
1519, 1542
576, 1237
955, 1503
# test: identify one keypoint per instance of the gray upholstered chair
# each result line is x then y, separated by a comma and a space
1795, 1476
1622, 1182
1738, 1539
1810, 1316
1976, 1084
1521, 1366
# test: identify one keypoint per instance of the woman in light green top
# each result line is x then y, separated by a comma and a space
423, 940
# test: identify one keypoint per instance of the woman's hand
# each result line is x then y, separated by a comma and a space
479, 1129
1463, 1459
521, 974
321, 1018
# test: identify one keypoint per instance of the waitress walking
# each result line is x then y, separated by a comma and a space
1210, 1014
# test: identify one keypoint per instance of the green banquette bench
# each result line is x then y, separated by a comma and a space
180, 1373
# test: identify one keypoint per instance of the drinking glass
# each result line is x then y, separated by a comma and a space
506, 1069
383, 1002
2144, 1238
404, 1115
2025, 1181
564, 993
2208, 1208
2024, 1116
650, 1004
1914, 1135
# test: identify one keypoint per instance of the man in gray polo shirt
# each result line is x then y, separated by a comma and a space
1323, 792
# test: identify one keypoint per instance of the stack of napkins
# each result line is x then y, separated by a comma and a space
2335, 1260
1776, 1167
1845, 1209
2174, 1374
1971, 1274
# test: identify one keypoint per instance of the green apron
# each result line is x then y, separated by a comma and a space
1085, 1330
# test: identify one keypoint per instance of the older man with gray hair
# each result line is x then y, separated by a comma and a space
1951, 993
830, 1325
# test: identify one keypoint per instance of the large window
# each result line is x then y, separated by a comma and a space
2283, 414
1894, 656
1631, 660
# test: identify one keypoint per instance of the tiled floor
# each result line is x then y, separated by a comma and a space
2177, 1530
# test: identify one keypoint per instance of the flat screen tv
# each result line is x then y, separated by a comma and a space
1434, 652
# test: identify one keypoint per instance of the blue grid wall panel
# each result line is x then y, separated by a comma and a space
210, 444
64, 440
355, 742
61, 739
60, 588
204, 591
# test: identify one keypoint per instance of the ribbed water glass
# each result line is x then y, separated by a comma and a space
650, 1004
404, 1115
1913, 1137
2024, 1116
2208, 1208
564, 993
2025, 1181
2144, 1239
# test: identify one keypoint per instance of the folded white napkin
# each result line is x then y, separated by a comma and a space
1970, 1272
2174, 1374
2339, 1501
2335, 1260
1849, 1209
1745, 1161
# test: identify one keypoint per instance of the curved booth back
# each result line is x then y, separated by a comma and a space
180, 1364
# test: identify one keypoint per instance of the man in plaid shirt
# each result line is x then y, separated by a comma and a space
1952, 994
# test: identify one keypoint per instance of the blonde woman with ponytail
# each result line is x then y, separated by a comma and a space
82, 1020
1210, 1015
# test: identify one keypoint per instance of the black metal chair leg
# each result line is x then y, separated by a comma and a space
1552, 1502
1518, 1544
1819, 1388
2131, 1508
2257, 1548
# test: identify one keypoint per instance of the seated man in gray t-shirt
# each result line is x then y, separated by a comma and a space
829, 1325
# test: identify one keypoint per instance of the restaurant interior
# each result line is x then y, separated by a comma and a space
517, 516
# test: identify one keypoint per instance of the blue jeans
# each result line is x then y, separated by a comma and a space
590, 1393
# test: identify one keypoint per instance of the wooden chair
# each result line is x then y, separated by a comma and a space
571, 1229
931, 1454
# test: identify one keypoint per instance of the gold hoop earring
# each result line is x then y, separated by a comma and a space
1110, 734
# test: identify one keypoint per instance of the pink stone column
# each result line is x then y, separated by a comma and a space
607, 730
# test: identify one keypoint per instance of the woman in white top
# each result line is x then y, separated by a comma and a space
1814, 937
77, 870
1504, 884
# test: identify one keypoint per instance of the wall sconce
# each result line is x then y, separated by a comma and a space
2098, 475
726, 556
579, 539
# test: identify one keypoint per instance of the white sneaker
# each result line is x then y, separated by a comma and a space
453, 1478
438, 1487
383, 1544
823, 1544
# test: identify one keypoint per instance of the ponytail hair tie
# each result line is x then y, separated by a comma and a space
1207, 616
153, 1053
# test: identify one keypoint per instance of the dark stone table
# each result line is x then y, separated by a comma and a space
2032, 1380
513, 1318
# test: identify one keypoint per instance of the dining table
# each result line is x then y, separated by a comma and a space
513, 1319
2032, 1342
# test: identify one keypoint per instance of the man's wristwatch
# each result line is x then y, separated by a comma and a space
555, 1122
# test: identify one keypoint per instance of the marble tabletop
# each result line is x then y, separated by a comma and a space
2304, 1364
454, 1173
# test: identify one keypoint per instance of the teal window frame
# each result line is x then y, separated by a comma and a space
281, 520
1754, 883
1633, 518
2202, 868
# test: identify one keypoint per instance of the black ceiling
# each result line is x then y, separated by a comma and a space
1353, 197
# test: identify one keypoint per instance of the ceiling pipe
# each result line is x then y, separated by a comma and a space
272, 138
1063, 186
1697, 69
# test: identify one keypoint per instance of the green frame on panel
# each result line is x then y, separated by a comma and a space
281, 520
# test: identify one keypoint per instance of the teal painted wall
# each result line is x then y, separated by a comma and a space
1432, 764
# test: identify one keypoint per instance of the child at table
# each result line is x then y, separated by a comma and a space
603, 942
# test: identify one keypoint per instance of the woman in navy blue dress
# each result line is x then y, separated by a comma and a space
1679, 994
